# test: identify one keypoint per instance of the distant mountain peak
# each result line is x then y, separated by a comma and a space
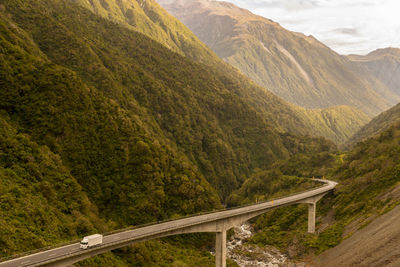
298, 68
377, 54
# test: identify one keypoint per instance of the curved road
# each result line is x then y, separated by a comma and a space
191, 224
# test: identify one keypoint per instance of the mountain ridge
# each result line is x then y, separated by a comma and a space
296, 67
384, 64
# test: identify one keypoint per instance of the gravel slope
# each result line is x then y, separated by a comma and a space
377, 244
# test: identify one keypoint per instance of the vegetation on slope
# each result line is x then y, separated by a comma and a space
368, 176
147, 17
206, 112
151, 20
108, 150
336, 123
41, 203
141, 131
95, 148
377, 125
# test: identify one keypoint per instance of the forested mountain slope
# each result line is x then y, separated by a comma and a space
63, 140
377, 125
143, 132
104, 127
337, 123
368, 177
149, 18
37, 189
296, 67
210, 114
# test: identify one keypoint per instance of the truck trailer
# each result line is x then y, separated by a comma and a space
91, 241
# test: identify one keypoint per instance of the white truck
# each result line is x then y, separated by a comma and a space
91, 240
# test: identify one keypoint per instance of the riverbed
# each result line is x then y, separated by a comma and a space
250, 255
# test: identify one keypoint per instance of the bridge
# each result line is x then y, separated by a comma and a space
218, 222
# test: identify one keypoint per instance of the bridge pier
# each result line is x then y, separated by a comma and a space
220, 249
311, 217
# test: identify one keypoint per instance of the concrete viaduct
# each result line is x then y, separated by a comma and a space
218, 222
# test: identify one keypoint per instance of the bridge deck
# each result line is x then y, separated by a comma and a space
130, 236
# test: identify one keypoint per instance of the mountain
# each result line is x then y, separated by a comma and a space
150, 19
208, 113
377, 125
298, 68
384, 64
125, 129
104, 127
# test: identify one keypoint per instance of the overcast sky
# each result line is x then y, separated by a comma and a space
347, 26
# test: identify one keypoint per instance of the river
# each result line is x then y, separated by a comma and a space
250, 255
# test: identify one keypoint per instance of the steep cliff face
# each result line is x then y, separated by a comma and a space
296, 67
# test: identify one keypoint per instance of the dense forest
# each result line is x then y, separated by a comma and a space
378, 124
137, 132
104, 126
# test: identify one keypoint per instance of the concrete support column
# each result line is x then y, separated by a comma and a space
220, 249
311, 217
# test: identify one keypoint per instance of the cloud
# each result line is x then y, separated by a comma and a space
357, 26
346, 31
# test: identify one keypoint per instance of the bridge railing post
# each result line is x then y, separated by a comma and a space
220, 249
311, 217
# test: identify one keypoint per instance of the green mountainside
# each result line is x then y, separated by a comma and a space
368, 177
150, 18
69, 154
336, 123
206, 112
296, 67
104, 127
138, 132
377, 125
37, 189
147, 17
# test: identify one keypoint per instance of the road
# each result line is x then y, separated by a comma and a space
127, 237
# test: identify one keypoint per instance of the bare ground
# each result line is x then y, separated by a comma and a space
377, 244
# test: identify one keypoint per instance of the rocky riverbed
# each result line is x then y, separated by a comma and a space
249, 255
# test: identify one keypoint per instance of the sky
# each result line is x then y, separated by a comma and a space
346, 26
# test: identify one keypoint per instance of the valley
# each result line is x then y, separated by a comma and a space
118, 114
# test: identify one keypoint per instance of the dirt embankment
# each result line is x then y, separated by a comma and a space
377, 244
